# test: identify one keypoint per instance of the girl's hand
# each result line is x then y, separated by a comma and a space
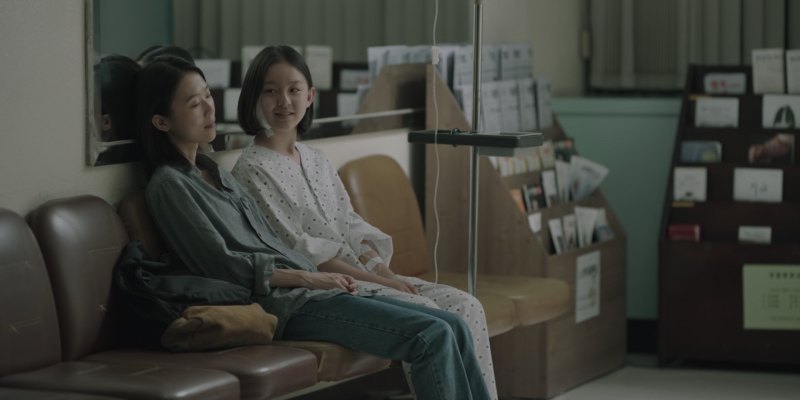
400, 285
327, 281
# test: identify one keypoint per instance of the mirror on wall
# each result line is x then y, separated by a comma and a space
221, 36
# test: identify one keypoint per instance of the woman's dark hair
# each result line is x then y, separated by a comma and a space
254, 82
155, 89
117, 84
149, 54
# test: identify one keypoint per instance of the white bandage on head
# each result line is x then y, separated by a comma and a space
373, 262
262, 120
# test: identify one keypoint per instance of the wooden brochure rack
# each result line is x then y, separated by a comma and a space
542, 360
700, 283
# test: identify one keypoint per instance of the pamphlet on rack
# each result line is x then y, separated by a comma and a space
601, 228
716, 112
770, 296
463, 93
396, 55
780, 111
250, 52
793, 71
490, 62
587, 286
534, 194
491, 107
420, 54
549, 187
320, 64
755, 234
564, 149
689, 184
767, 71
527, 104
725, 83
701, 151
462, 68
586, 220
535, 222
516, 61
546, 154
771, 148
509, 102
447, 54
570, 232
556, 235
544, 109
585, 177
758, 184
563, 171
216, 71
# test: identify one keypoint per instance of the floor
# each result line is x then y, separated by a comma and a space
641, 379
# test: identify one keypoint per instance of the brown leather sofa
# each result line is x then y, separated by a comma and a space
38, 353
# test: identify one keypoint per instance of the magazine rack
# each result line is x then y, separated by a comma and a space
545, 359
700, 283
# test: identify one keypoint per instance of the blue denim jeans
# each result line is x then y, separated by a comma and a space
436, 343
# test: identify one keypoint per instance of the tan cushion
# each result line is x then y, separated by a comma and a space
337, 362
139, 224
535, 299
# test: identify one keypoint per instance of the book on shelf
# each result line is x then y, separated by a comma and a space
556, 235
564, 149
780, 111
758, 184
535, 222
516, 194
586, 218
490, 62
527, 104
725, 83
771, 148
792, 71
563, 170
755, 234
585, 176
701, 151
689, 184
549, 187
767, 71
716, 112
684, 232
570, 232
602, 231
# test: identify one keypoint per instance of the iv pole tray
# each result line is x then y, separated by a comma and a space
502, 144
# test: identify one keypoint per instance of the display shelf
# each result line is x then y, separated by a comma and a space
701, 283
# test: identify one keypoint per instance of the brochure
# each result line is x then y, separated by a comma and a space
767, 71
758, 184
527, 105
549, 187
771, 149
716, 112
509, 105
563, 171
586, 218
689, 184
792, 71
556, 235
701, 151
570, 232
725, 83
587, 286
780, 111
601, 228
585, 177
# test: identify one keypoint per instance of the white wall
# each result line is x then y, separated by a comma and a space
552, 27
42, 101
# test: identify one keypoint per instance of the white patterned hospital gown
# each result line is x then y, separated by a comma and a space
311, 212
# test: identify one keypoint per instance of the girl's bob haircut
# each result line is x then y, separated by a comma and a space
155, 89
249, 101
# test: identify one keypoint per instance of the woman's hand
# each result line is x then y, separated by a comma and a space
327, 281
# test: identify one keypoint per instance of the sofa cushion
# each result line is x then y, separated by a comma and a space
264, 371
535, 299
337, 362
22, 394
29, 335
130, 382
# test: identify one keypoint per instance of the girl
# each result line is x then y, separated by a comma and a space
299, 192
212, 226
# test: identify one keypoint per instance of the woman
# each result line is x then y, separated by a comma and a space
302, 197
212, 226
